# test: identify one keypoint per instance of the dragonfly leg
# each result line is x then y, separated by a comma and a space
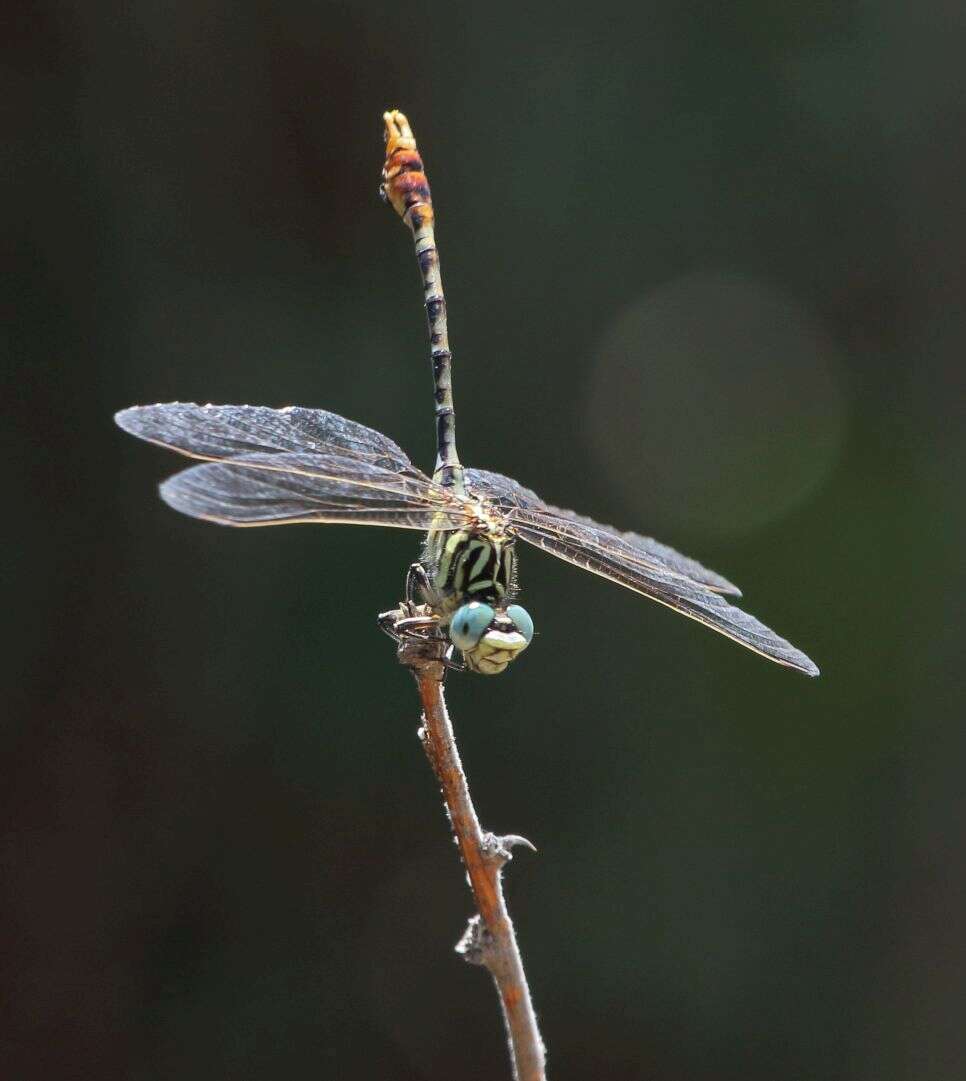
416, 626
453, 666
414, 621
409, 621
418, 585
398, 622
416, 629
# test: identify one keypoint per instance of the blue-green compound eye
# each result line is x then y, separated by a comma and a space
468, 624
521, 620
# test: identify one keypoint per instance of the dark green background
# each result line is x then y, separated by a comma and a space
705, 270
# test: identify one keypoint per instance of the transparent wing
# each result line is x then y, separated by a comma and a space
511, 497
638, 563
217, 432
272, 466
584, 547
275, 489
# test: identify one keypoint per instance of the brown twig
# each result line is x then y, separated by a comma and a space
489, 939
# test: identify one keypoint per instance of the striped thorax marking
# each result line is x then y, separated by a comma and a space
478, 567
468, 565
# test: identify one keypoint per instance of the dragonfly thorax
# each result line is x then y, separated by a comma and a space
467, 565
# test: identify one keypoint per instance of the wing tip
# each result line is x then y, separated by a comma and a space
802, 663
122, 418
127, 418
167, 490
171, 494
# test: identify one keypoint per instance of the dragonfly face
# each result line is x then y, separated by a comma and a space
490, 637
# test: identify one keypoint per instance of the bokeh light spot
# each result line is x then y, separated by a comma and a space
717, 403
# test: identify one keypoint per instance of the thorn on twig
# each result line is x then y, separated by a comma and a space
473, 945
500, 849
512, 839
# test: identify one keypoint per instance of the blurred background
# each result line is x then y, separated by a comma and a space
705, 271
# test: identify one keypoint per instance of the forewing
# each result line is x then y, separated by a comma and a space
217, 432
585, 548
513, 497
274, 489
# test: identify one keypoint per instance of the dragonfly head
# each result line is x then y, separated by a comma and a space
488, 637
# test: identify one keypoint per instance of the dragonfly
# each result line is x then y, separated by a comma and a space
261, 466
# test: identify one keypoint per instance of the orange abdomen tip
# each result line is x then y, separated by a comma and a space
404, 182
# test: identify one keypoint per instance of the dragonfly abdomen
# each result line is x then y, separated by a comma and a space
405, 187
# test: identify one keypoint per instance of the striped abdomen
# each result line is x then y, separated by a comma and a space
405, 186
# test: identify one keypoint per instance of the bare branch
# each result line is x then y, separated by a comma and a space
489, 939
